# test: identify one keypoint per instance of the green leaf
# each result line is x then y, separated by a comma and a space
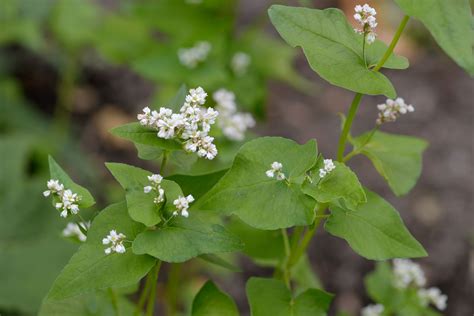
74, 22
211, 301
143, 135
186, 238
141, 207
91, 269
374, 230
58, 173
198, 185
92, 304
333, 49
272, 297
379, 285
341, 183
218, 261
260, 201
178, 100
450, 23
303, 275
397, 158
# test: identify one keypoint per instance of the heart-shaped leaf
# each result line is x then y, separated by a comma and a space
211, 301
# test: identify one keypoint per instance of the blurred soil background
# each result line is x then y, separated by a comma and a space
438, 211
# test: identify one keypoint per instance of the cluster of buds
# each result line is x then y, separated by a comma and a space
115, 240
276, 171
73, 230
365, 16
240, 63
392, 109
233, 124
191, 57
191, 125
407, 273
68, 200
155, 181
182, 205
327, 168
372, 310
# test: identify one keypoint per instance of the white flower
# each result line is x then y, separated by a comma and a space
115, 240
365, 16
155, 181
327, 168
53, 187
232, 123
239, 63
276, 171
191, 57
406, 273
434, 296
73, 230
191, 125
372, 310
392, 109
182, 205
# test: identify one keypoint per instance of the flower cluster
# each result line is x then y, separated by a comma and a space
365, 16
407, 273
67, 199
276, 171
240, 63
155, 181
434, 296
191, 125
182, 205
232, 123
115, 240
372, 310
328, 167
392, 109
73, 230
191, 57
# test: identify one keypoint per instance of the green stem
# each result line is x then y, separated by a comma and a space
361, 147
150, 308
296, 255
113, 297
285, 266
172, 288
347, 126
143, 295
164, 161
392, 45
363, 49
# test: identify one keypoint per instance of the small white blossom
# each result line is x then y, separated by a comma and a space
115, 240
232, 123
240, 63
73, 230
372, 310
191, 57
407, 273
191, 125
53, 187
182, 205
328, 167
392, 109
276, 171
433, 296
68, 201
365, 16
155, 181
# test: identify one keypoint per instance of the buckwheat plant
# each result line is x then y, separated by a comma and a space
278, 191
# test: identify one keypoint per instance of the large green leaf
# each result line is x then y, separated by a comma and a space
341, 183
140, 205
334, 50
211, 301
450, 23
58, 173
397, 158
91, 269
197, 185
374, 230
272, 297
258, 200
186, 238
143, 135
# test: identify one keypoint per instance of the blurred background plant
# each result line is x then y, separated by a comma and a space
70, 70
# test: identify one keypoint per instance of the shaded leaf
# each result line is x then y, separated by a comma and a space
211, 301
